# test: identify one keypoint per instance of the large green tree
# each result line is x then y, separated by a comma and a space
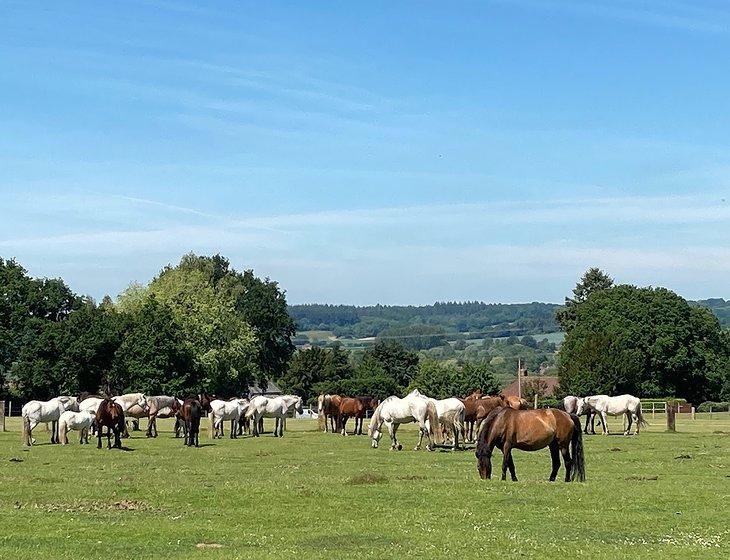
645, 341
236, 324
594, 280
154, 356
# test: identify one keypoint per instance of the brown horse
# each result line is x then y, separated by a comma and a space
350, 407
111, 415
331, 411
475, 411
369, 403
515, 402
530, 430
191, 412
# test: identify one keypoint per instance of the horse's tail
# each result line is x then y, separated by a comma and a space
640, 417
62, 431
433, 420
579, 463
457, 423
25, 437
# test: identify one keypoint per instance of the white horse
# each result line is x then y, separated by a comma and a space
135, 402
295, 405
615, 406
226, 410
160, 406
395, 411
90, 404
451, 414
570, 405
79, 421
268, 407
36, 412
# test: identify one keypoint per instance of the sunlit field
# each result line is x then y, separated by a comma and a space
314, 495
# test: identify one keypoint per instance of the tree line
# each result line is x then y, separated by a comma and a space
200, 325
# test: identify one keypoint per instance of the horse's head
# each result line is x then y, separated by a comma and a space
142, 402
69, 403
580, 406
299, 405
205, 401
484, 461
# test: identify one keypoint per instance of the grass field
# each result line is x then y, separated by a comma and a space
314, 495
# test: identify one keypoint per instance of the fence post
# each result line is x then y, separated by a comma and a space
2, 416
653, 411
671, 427
693, 413
710, 412
535, 401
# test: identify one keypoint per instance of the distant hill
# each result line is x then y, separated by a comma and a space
720, 307
488, 319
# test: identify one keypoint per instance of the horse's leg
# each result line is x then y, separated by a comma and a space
555, 456
343, 424
567, 459
506, 457
588, 421
393, 430
421, 429
98, 435
630, 419
605, 423
511, 467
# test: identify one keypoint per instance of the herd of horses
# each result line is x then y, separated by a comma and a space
92, 413
505, 423
501, 422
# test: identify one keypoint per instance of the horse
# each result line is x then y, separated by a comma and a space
476, 408
111, 415
160, 406
330, 409
349, 406
615, 406
570, 405
132, 401
191, 411
530, 430
395, 411
451, 414
262, 407
226, 410
295, 405
80, 421
369, 403
36, 412
518, 403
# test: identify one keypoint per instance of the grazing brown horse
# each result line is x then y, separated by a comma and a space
530, 430
191, 412
111, 415
331, 412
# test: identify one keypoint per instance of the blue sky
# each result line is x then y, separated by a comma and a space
370, 152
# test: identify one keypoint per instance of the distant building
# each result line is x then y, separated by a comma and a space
271, 390
546, 385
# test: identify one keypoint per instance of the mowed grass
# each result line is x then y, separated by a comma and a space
314, 495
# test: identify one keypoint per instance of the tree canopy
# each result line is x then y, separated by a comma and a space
646, 341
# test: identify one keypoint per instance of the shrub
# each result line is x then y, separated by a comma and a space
715, 406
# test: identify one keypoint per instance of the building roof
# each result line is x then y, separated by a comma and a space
270, 389
550, 382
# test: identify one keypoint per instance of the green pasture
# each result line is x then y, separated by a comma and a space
313, 495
